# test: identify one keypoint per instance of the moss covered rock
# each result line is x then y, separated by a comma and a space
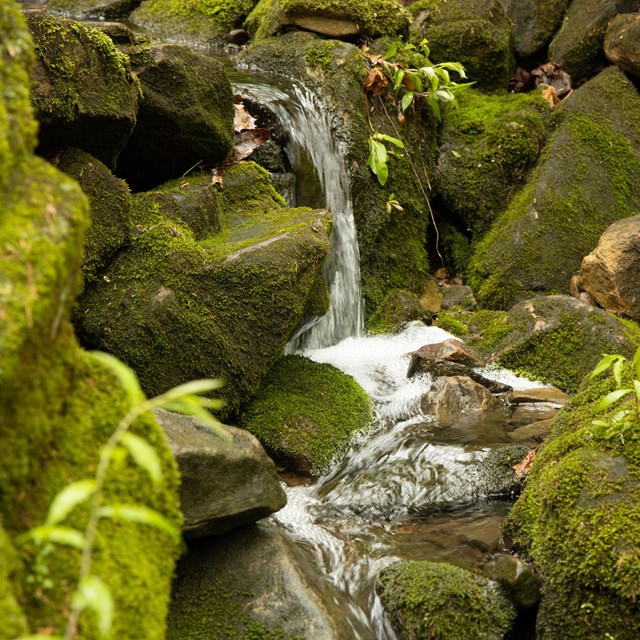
109, 206
185, 117
200, 23
489, 144
92, 9
14, 623
84, 93
587, 178
622, 42
558, 339
436, 600
398, 308
578, 45
392, 244
476, 33
346, 18
176, 308
578, 521
305, 413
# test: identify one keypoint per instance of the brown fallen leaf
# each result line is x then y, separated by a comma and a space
523, 467
243, 120
216, 178
248, 140
550, 95
377, 82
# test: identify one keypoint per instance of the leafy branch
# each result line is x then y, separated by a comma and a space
91, 592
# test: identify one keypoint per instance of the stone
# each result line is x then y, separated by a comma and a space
397, 309
588, 176
527, 413
427, 599
578, 45
306, 413
254, 581
459, 296
542, 394
516, 577
431, 296
224, 484
534, 23
185, 117
452, 398
92, 9
610, 273
622, 42
559, 340
451, 350
534, 432
84, 92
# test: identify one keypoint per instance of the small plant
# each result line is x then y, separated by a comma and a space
624, 418
378, 155
91, 592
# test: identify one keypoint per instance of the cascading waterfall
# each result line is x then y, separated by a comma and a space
311, 139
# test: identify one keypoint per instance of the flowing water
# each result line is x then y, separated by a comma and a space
407, 488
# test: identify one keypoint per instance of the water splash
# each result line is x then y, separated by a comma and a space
309, 127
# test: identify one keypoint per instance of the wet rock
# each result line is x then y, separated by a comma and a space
610, 273
542, 394
398, 308
109, 205
578, 44
238, 37
589, 173
92, 9
525, 413
476, 33
176, 308
431, 295
426, 599
497, 476
622, 42
534, 23
185, 117
84, 92
346, 20
254, 582
458, 295
306, 413
558, 340
534, 432
516, 577
450, 350
224, 484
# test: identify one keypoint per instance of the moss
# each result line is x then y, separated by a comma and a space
578, 520
305, 413
13, 621
84, 92
448, 322
489, 144
199, 23
435, 600
374, 18
398, 308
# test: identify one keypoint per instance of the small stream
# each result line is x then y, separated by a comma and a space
408, 488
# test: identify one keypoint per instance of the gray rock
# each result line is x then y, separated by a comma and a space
622, 42
451, 350
224, 484
254, 581
458, 295
531, 433
611, 272
517, 577
578, 44
92, 9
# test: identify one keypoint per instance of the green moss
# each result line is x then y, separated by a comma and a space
306, 413
13, 621
435, 600
448, 322
578, 520
398, 308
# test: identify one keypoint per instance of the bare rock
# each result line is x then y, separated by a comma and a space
451, 350
534, 432
622, 42
542, 394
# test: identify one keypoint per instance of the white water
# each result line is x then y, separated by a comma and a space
310, 136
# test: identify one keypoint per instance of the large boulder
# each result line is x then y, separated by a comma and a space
223, 484
92, 9
476, 33
437, 600
534, 23
58, 404
610, 273
622, 42
200, 23
176, 308
587, 178
84, 92
185, 116
489, 145
254, 582
348, 19
578, 45
306, 413
578, 519
558, 339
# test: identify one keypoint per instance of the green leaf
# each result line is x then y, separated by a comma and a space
59, 535
415, 80
600, 423
144, 455
611, 398
604, 364
391, 51
391, 139
378, 160
636, 387
407, 99
636, 362
435, 107
398, 76
140, 514
456, 154
68, 498
453, 66
125, 375
617, 371
95, 595
195, 387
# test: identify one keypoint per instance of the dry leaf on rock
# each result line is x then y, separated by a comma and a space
523, 467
